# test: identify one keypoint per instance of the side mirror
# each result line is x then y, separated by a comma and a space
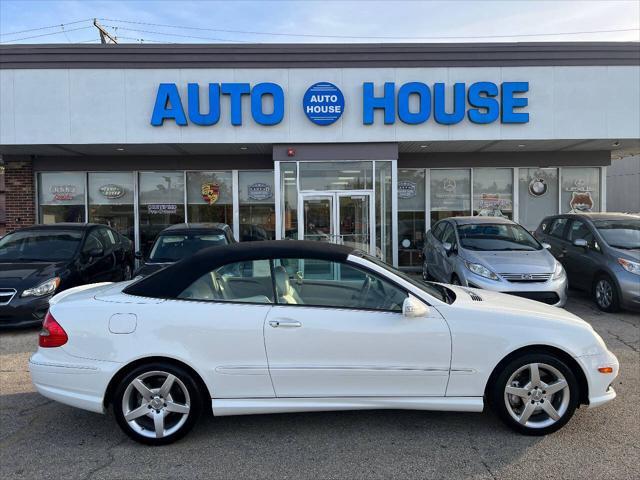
447, 247
546, 245
138, 255
580, 242
413, 308
95, 252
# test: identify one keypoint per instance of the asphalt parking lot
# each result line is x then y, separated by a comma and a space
44, 439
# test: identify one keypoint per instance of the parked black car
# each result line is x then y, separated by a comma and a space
39, 261
600, 253
182, 240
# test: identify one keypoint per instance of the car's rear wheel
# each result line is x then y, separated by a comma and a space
605, 294
535, 394
157, 404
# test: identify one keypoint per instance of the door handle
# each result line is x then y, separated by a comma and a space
285, 323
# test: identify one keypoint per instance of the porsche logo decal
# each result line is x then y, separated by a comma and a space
210, 192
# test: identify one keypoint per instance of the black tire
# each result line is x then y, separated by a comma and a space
605, 294
142, 429
539, 419
455, 280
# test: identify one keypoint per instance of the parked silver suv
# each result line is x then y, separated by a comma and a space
601, 254
495, 254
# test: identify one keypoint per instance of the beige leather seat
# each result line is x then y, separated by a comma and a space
284, 290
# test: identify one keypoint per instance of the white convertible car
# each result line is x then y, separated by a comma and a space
289, 326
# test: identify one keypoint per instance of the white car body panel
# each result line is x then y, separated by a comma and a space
338, 359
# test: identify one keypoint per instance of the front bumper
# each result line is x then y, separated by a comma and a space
629, 284
600, 384
551, 292
24, 312
73, 381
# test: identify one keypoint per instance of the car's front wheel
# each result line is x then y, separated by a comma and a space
605, 294
535, 394
157, 404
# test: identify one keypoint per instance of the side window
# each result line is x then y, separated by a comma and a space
437, 230
92, 242
333, 284
556, 229
107, 237
579, 230
242, 282
449, 234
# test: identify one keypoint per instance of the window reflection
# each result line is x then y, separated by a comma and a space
257, 208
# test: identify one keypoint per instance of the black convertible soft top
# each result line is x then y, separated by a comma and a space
174, 279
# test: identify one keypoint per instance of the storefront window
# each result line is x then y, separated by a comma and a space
580, 190
538, 195
257, 209
450, 194
384, 203
111, 201
493, 192
336, 175
161, 204
289, 189
411, 228
210, 197
61, 197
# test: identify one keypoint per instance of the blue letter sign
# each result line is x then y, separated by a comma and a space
168, 105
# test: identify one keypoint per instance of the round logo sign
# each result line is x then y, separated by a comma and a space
323, 103
538, 187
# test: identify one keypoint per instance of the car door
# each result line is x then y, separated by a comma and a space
94, 265
448, 258
112, 254
219, 321
354, 339
581, 263
555, 236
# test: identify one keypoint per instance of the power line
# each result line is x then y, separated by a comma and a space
117, 28
365, 37
44, 28
46, 34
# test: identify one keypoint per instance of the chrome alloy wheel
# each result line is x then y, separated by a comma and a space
156, 404
537, 395
604, 293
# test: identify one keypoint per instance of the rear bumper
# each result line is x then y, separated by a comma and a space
71, 380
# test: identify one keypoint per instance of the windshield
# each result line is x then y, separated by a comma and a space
438, 291
40, 245
174, 247
496, 237
623, 234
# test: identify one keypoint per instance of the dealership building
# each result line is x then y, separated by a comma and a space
359, 144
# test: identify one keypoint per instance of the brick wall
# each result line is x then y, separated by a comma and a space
19, 194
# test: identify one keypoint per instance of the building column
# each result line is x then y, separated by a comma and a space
20, 193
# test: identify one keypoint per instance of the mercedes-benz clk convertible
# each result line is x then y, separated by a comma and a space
293, 326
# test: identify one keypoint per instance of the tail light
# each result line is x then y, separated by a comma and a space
52, 333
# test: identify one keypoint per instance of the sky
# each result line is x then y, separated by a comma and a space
325, 21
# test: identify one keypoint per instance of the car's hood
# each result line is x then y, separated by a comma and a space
537, 261
628, 254
28, 274
502, 303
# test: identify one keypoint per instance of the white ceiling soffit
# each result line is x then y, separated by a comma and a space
516, 145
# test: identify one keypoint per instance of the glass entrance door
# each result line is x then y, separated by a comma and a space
338, 217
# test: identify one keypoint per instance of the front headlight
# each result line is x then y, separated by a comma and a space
558, 272
45, 288
629, 266
481, 270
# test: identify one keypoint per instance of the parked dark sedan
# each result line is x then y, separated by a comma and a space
601, 254
38, 261
180, 241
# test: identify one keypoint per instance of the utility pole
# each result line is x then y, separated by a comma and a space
105, 37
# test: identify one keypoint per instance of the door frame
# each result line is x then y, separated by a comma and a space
334, 196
